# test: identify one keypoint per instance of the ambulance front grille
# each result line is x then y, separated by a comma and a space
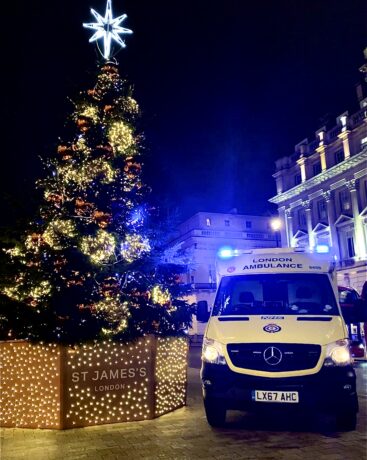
274, 357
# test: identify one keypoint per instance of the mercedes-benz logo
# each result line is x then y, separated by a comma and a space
272, 356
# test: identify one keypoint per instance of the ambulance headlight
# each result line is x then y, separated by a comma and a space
213, 352
338, 354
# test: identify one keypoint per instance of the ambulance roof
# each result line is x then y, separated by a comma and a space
276, 260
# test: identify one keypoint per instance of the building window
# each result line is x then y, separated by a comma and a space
248, 224
350, 246
316, 168
321, 210
302, 218
346, 240
297, 179
339, 156
344, 198
195, 245
208, 222
363, 142
226, 223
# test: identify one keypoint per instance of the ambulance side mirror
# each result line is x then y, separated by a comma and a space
202, 311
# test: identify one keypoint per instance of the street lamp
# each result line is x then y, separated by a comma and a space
276, 225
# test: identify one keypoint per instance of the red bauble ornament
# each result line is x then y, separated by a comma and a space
102, 218
83, 208
65, 151
83, 124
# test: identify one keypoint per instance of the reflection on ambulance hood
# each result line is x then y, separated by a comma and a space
319, 330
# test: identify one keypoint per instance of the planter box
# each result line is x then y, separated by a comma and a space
55, 386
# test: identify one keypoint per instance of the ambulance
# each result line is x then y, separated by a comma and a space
276, 337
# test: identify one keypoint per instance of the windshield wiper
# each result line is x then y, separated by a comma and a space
233, 318
314, 318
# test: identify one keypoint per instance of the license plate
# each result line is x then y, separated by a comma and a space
289, 397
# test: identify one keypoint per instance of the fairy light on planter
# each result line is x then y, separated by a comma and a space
171, 377
29, 385
109, 383
54, 386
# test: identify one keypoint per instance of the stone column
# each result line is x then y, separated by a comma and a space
321, 149
333, 236
344, 136
302, 165
289, 227
283, 229
279, 178
311, 236
359, 242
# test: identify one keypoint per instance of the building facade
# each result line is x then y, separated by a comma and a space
322, 195
200, 238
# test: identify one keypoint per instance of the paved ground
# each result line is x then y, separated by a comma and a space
185, 434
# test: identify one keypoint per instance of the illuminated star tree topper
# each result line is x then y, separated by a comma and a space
107, 28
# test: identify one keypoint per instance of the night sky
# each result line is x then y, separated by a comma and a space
226, 88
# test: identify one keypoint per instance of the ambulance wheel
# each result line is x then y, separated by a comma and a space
215, 413
346, 420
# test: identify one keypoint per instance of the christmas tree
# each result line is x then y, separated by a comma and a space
89, 264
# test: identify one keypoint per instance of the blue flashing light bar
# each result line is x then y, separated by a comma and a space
226, 252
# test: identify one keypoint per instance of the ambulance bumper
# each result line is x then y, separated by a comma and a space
331, 389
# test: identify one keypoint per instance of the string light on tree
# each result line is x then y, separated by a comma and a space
160, 296
134, 247
58, 231
100, 247
85, 270
92, 254
116, 312
32, 242
89, 111
121, 137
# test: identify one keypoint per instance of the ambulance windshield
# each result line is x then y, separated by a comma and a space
275, 294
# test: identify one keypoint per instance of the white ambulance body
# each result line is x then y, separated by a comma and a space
276, 336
